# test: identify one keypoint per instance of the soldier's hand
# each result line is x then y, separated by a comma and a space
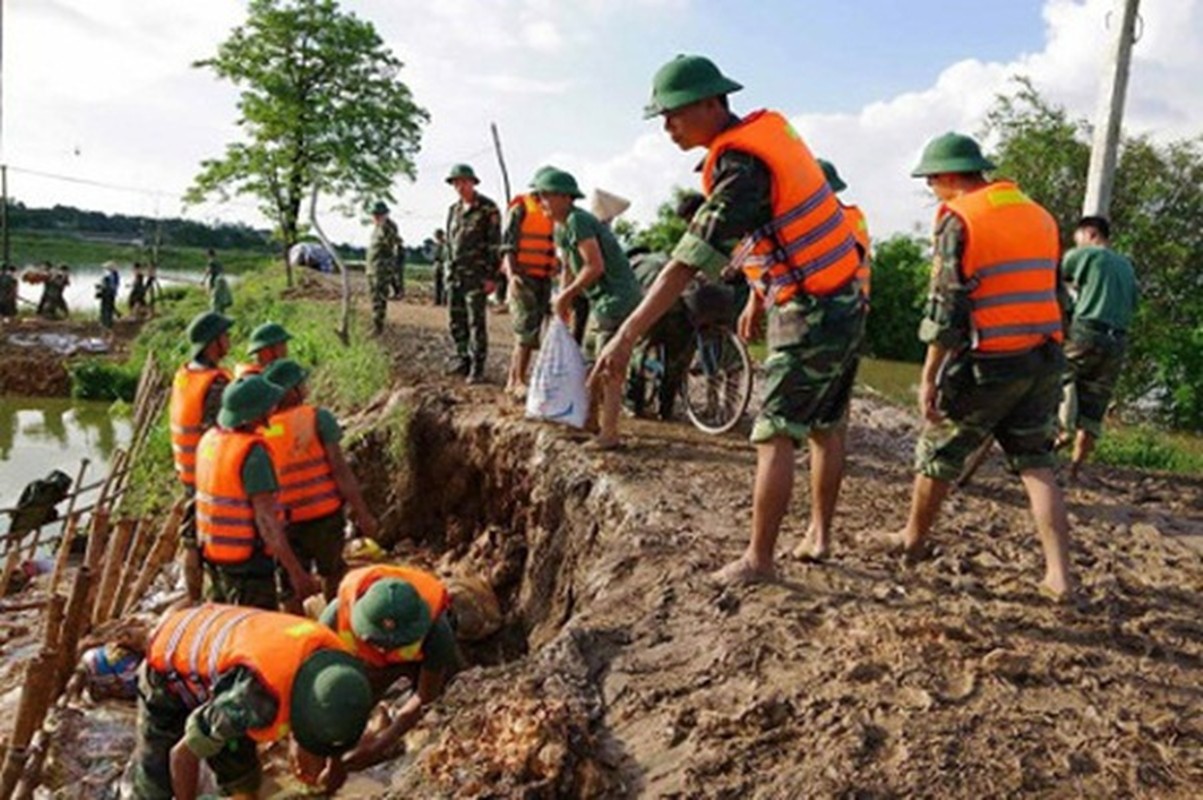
750, 320
928, 401
305, 585
368, 525
562, 306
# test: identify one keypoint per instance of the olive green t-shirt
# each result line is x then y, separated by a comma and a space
328, 428
616, 293
258, 474
1105, 283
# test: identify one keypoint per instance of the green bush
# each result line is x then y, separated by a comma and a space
1146, 448
899, 280
94, 379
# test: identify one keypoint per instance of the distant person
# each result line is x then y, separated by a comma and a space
1103, 296
106, 293
220, 296
596, 266
439, 259
53, 303
528, 261
383, 248
397, 274
138, 307
474, 239
8, 291
317, 487
269, 343
154, 289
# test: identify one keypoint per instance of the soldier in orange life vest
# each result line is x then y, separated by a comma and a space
769, 212
993, 334
396, 619
860, 225
316, 484
219, 680
529, 262
269, 342
237, 510
195, 403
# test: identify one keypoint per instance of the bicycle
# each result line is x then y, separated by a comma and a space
716, 386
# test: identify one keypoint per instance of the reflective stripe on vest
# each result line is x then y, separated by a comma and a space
1010, 267
307, 487
860, 229
429, 588
809, 245
225, 518
187, 412
536, 252
193, 648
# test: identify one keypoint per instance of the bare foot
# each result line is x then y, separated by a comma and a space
604, 444
1059, 592
812, 551
897, 544
741, 573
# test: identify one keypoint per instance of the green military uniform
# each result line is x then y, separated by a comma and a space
473, 239
1013, 398
383, 248
530, 303
1105, 295
8, 292
53, 303
813, 341
616, 293
397, 273
672, 331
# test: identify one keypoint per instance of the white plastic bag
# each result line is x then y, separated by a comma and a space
557, 386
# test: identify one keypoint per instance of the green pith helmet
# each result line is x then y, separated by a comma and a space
379, 208
832, 175
555, 181
331, 701
285, 373
685, 80
206, 327
266, 335
540, 171
462, 171
246, 400
390, 614
950, 153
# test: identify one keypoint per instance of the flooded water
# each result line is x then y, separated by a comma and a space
38, 435
81, 294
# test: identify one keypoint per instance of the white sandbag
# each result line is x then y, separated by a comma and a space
557, 387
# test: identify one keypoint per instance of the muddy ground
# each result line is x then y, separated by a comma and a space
620, 671
36, 354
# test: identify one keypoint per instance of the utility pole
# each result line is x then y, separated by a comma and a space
1110, 114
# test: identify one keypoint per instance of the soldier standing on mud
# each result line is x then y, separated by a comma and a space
53, 303
1103, 300
381, 262
758, 172
993, 335
473, 240
8, 291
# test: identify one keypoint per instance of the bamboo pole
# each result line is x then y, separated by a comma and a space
31, 709
79, 481
64, 552
35, 760
111, 572
74, 621
10, 565
129, 568
160, 553
56, 606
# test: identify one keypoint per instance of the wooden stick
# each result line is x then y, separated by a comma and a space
35, 760
74, 621
109, 575
52, 626
129, 568
64, 552
160, 553
79, 481
10, 565
31, 710
26, 605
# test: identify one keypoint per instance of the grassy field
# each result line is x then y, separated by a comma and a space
32, 247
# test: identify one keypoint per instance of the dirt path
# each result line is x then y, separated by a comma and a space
859, 678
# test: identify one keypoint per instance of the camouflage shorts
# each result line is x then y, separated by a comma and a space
318, 545
241, 589
598, 332
1020, 412
530, 304
811, 367
1093, 368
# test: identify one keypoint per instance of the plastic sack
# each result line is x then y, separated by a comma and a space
557, 387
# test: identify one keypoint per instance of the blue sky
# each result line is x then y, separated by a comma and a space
102, 89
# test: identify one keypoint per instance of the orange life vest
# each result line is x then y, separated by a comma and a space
809, 245
429, 588
1010, 266
188, 390
194, 647
536, 253
243, 370
307, 487
225, 518
860, 229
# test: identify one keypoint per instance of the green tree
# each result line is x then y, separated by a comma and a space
1158, 201
901, 272
662, 235
321, 108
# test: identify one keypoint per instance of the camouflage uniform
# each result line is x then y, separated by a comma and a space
473, 239
1013, 398
53, 304
381, 263
813, 341
8, 293
396, 276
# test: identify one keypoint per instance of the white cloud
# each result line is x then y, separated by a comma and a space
516, 84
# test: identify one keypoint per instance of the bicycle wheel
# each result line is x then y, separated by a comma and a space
718, 384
